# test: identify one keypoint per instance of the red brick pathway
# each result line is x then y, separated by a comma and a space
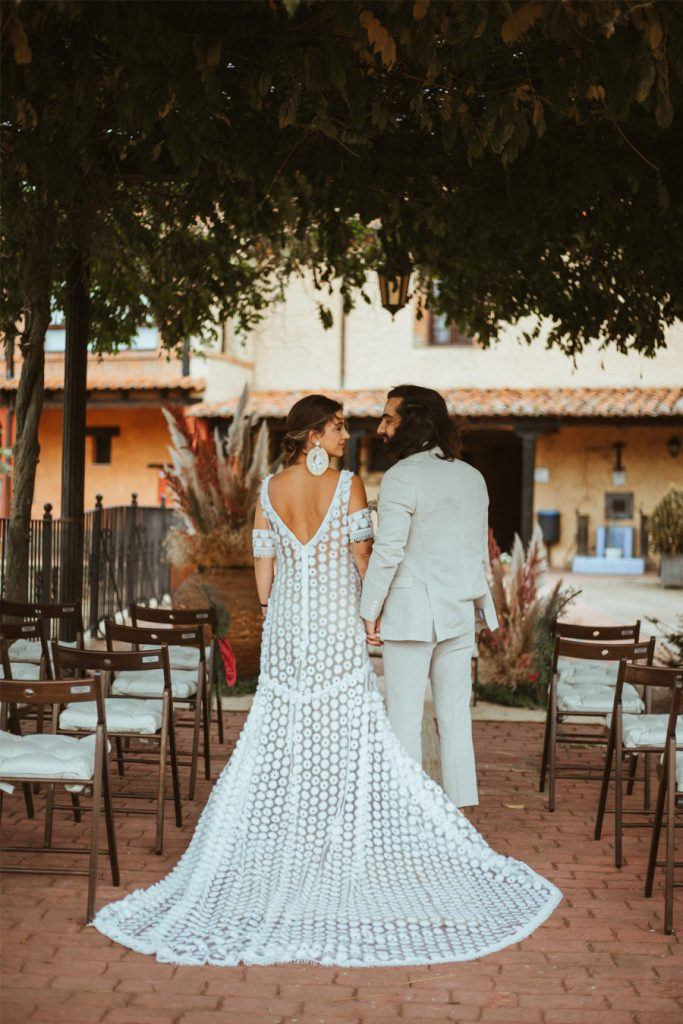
601, 959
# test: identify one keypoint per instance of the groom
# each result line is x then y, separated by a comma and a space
426, 582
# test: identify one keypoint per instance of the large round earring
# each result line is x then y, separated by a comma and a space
317, 459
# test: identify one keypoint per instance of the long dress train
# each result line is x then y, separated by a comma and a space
322, 840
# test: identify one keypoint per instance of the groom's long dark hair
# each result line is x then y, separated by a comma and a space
425, 423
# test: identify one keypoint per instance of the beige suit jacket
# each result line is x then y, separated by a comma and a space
427, 572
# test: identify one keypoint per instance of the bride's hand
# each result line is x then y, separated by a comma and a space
372, 632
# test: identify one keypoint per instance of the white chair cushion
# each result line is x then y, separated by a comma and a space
679, 770
590, 671
122, 715
22, 671
596, 697
29, 650
186, 658
646, 730
151, 683
43, 754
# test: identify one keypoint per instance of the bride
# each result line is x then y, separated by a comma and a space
322, 840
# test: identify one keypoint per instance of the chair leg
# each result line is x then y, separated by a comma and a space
49, 814
76, 804
670, 841
28, 800
632, 769
119, 754
207, 701
175, 782
161, 790
552, 757
656, 829
618, 794
109, 820
544, 755
604, 788
219, 713
195, 743
95, 831
647, 775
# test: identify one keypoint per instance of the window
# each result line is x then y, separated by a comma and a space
619, 505
101, 447
442, 333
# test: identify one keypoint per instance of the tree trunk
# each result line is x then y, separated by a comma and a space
73, 434
37, 280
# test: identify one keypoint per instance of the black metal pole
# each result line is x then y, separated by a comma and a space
77, 314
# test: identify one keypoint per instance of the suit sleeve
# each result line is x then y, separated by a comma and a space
395, 509
485, 560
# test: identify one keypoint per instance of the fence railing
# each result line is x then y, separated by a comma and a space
123, 558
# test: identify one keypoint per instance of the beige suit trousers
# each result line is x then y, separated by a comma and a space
408, 665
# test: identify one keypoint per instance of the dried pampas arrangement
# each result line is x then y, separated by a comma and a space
215, 482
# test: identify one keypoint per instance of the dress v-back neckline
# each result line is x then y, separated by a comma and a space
323, 522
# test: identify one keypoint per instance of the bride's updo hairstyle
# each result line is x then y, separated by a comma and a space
313, 412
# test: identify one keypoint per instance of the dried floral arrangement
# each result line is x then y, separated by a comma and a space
215, 483
515, 660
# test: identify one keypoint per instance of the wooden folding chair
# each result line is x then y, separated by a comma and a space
129, 719
141, 615
562, 706
669, 797
14, 724
61, 760
189, 687
33, 634
643, 734
52, 612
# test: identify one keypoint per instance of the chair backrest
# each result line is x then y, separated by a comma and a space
47, 691
184, 636
140, 614
570, 631
5, 663
68, 659
583, 650
649, 676
45, 610
35, 630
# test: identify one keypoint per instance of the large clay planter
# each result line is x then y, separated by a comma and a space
671, 570
230, 587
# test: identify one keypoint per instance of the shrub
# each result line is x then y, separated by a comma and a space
666, 523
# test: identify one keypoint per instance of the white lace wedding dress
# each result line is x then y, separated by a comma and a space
323, 840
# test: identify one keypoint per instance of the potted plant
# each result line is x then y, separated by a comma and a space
666, 536
215, 482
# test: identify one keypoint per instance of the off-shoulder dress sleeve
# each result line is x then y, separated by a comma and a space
360, 526
263, 543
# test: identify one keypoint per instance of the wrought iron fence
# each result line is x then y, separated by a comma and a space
123, 558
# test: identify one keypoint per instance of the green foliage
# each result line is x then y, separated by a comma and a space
666, 523
672, 638
526, 156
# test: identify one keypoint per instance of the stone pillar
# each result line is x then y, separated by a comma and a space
528, 436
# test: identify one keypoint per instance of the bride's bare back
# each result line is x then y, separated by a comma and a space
301, 500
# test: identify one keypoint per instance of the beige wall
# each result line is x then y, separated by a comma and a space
581, 459
143, 439
291, 351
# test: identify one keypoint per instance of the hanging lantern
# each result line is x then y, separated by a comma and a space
393, 287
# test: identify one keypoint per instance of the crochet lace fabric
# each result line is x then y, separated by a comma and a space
323, 840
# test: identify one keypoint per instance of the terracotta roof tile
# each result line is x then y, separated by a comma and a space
118, 373
484, 402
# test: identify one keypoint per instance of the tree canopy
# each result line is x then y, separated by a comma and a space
525, 155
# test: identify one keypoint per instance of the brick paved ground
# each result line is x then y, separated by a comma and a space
601, 959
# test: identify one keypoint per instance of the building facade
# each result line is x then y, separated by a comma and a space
596, 440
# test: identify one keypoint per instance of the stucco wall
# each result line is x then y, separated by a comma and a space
291, 351
143, 439
581, 460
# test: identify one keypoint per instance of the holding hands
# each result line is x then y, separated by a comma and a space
372, 632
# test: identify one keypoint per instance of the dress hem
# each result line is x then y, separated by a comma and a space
556, 897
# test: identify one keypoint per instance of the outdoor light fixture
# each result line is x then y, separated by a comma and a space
619, 471
673, 446
393, 287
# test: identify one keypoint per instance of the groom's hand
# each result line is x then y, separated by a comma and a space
372, 632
